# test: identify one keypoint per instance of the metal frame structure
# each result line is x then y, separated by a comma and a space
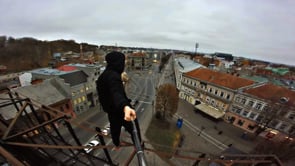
27, 133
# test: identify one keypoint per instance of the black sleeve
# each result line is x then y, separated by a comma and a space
117, 92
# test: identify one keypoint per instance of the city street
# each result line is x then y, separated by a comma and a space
201, 133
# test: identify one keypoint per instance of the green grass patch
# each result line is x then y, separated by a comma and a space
164, 135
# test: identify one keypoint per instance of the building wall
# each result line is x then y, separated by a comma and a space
79, 97
196, 90
93, 72
139, 62
245, 111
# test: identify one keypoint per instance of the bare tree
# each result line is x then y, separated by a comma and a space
166, 101
267, 116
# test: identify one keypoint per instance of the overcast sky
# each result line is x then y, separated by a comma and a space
258, 29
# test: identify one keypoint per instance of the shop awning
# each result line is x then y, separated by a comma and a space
210, 110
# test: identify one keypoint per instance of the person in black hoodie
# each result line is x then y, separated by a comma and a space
113, 98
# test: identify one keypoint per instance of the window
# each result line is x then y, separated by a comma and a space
81, 107
79, 100
237, 99
250, 103
291, 116
241, 122
243, 101
221, 94
83, 98
258, 106
210, 90
216, 91
202, 86
252, 115
228, 96
245, 113
236, 109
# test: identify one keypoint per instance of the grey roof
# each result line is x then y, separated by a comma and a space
74, 78
7, 112
47, 93
44, 93
87, 68
48, 71
186, 65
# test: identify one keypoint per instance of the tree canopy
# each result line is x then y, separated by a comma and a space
166, 101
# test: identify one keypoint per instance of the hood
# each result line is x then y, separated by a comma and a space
115, 61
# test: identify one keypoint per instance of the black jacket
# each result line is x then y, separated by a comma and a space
109, 85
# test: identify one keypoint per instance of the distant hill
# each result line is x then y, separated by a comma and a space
29, 53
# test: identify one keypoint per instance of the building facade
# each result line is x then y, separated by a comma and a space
210, 91
265, 106
139, 61
78, 83
182, 65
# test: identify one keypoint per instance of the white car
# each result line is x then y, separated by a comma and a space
91, 143
106, 131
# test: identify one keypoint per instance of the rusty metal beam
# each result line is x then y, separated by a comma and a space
13, 121
35, 127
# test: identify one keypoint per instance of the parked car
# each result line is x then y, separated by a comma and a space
106, 131
91, 143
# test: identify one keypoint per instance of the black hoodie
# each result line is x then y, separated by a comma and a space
109, 85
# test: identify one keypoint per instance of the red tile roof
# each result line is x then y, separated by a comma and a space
218, 78
139, 54
273, 93
67, 68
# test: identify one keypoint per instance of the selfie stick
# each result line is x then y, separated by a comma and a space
139, 151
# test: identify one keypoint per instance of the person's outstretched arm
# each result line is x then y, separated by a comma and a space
120, 99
